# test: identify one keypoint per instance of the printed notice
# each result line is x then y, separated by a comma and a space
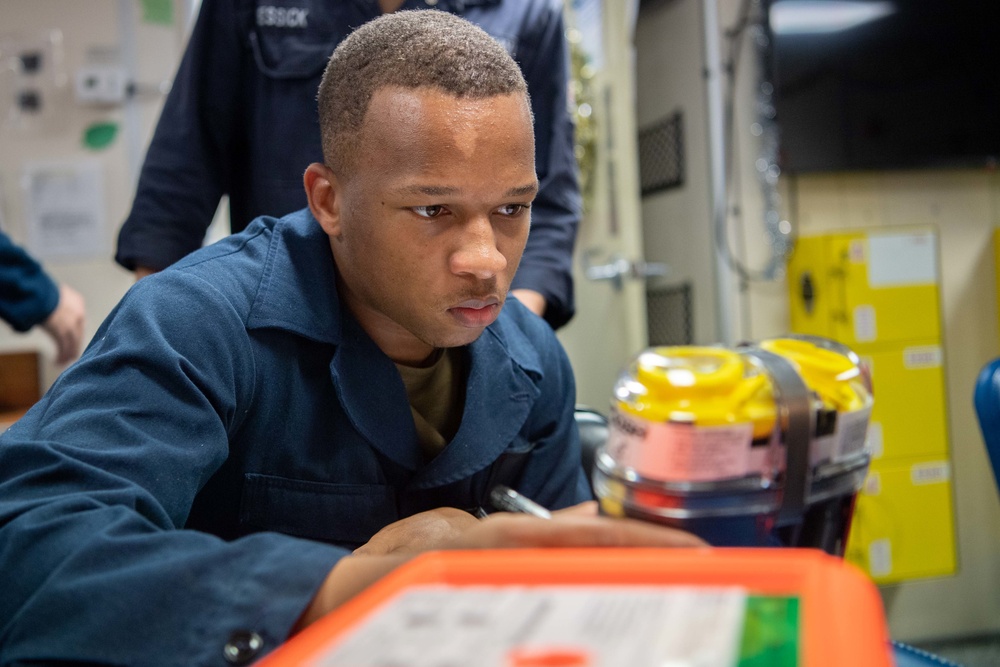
685, 452
898, 260
851, 430
64, 209
599, 626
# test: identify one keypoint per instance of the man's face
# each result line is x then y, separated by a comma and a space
434, 217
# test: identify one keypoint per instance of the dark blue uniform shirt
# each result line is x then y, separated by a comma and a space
241, 119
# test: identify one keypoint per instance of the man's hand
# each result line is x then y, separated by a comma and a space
438, 528
143, 271
434, 529
534, 301
575, 527
65, 324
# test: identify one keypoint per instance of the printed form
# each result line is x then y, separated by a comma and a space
586, 626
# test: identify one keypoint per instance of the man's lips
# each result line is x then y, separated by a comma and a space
475, 313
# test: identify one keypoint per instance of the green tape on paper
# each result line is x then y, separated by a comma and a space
770, 632
158, 11
100, 135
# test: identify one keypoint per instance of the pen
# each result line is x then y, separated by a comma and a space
507, 499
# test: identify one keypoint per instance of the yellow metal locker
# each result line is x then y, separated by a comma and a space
877, 292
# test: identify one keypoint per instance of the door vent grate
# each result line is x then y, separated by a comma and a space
661, 155
669, 316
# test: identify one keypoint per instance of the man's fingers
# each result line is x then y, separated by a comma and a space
586, 508
433, 529
521, 531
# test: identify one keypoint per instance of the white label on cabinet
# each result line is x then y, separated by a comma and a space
856, 251
880, 558
864, 324
874, 441
924, 356
873, 484
930, 473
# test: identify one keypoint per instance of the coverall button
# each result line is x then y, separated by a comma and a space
242, 647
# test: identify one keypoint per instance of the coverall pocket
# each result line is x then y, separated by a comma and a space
509, 465
291, 55
343, 514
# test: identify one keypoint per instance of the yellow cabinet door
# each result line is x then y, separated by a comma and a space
909, 417
903, 525
866, 287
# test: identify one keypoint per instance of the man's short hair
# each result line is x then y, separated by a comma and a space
407, 49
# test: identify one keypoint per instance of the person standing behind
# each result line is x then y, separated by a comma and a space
241, 121
29, 298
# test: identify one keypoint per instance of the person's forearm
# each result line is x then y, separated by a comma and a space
350, 576
29, 295
532, 300
143, 271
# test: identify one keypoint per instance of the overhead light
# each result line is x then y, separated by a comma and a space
789, 17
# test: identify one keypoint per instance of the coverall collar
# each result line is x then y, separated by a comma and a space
298, 294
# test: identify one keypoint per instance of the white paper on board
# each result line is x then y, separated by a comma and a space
897, 260
64, 209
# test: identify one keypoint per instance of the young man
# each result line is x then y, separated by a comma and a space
347, 378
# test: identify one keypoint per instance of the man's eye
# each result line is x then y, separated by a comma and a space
511, 210
428, 211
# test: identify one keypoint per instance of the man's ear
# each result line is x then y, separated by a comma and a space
323, 192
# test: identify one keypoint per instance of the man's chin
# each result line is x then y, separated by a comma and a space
458, 336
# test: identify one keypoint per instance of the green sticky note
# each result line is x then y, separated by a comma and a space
770, 632
158, 11
100, 135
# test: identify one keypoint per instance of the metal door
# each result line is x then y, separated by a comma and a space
610, 323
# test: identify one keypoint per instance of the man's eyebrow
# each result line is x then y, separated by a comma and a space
430, 190
523, 190
444, 191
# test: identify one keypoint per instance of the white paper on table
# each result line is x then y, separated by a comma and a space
64, 209
613, 626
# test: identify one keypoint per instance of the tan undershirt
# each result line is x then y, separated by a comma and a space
437, 398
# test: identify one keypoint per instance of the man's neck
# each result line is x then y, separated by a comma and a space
389, 6
396, 342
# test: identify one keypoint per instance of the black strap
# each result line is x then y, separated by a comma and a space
795, 420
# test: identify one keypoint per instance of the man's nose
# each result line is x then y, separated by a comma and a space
477, 253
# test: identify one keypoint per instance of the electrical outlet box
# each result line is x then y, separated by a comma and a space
101, 84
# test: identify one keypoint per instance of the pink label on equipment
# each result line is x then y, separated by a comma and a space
685, 452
